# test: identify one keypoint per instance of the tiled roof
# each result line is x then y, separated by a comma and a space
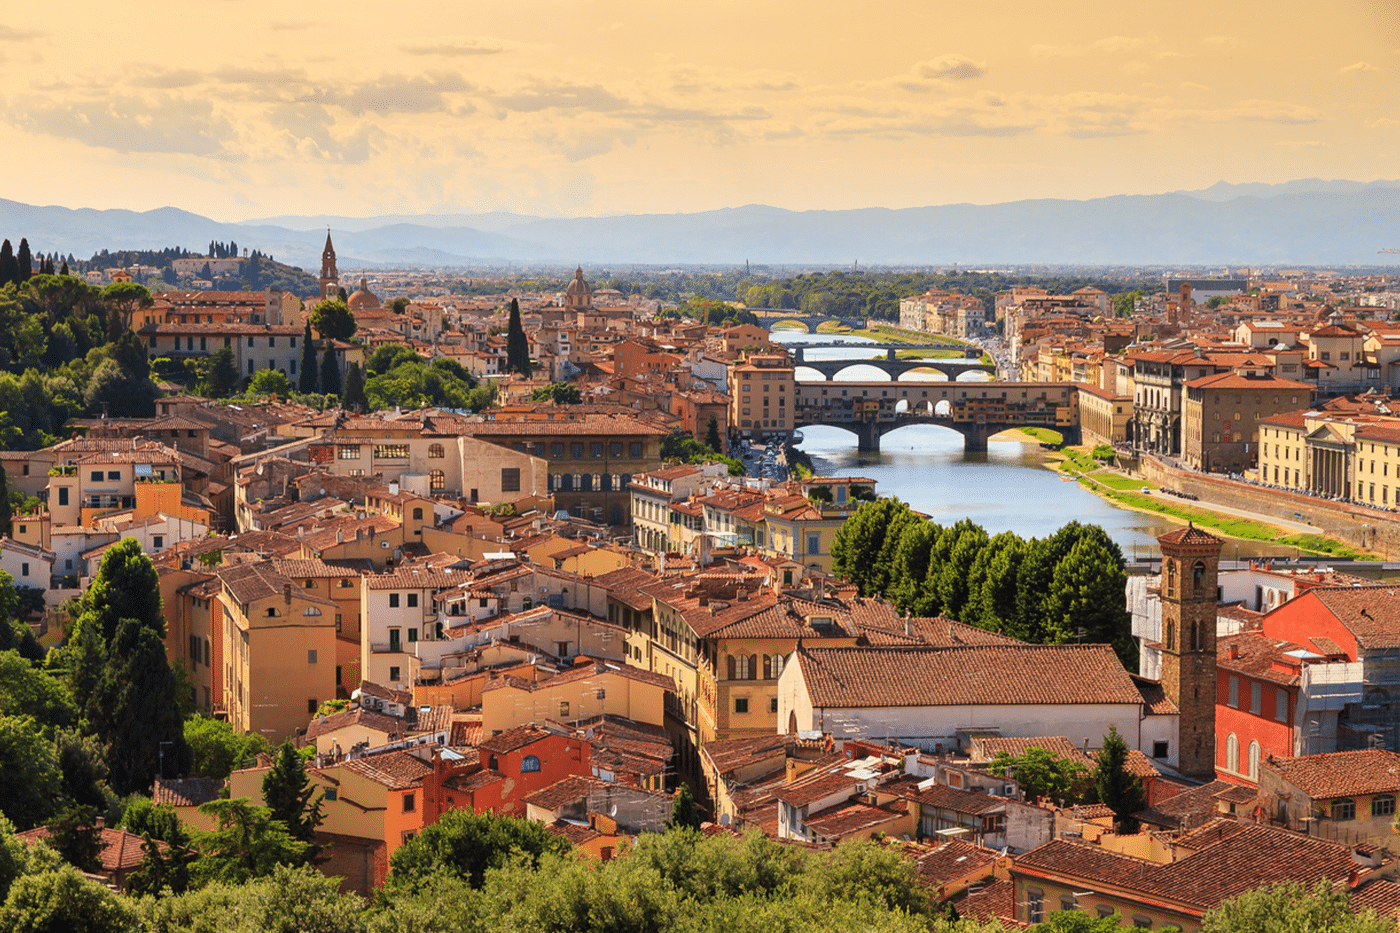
187, 792
417, 579
588, 425
1341, 774
1006, 675
850, 819
1232, 858
1254, 654
1154, 697
732, 754
577, 833
952, 860
395, 770
556, 795
1190, 535
994, 901
364, 718
1371, 613
942, 797
121, 850
1380, 895
512, 739
1058, 745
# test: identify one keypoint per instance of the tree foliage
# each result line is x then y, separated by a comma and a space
216, 749
1293, 908
684, 813
1117, 787
1044, 776
292, 798
467, 844
354, 398
246, 843
332, 319
222, 376
560, 393
517, 345
61, 899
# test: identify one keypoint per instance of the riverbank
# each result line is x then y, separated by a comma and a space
1130, 492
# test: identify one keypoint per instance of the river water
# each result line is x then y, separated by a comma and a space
1011, 487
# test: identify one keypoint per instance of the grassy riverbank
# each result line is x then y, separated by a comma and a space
1126, 491
1043, 435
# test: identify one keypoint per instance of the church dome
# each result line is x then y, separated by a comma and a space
362, 299
578, 294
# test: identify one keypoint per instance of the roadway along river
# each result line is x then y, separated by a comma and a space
1008, 488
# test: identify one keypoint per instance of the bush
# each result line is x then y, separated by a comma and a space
1103, 452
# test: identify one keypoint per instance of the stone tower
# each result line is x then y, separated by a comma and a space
1190, 564
330, 276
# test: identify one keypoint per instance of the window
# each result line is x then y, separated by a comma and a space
330, 793
741, 704
1159, 749
393, 600
596, 449
1232, 754
510, 479
393, 675
97, 476
413, 600
1344, 809
601, 694
1067, 902
1105, 911
113, 475
437, 479
412, 635
418, 515
410, 803
636, 450
1383, 805
563, 708
1280, 704
576, 450
1254, 761
391, 451
1142, 923
63, 495
529, 764
1035, 905
24, 570
347, 453
311, 705
311, 656
772, 704
1234, 692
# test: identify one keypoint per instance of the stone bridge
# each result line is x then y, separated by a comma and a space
894, 368
772, 317
976, 410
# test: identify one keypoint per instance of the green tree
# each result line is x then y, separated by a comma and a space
9, 267
307, 379
517, 345
246, 843
61, 900
126, 298
1044, 776
560, 393
222, 377
994, 582
330, 372
399, 305
126, 587
74, 835
119, 394
856, 551
162, 867
1086, 593
1117, 787
333, 320
28, 691
24, 260
5, 509
145, 817
83, 766
286, 900
30, 781
1072, 921
354, 398
466, 844
955, 576
289, 795
1293, 908
684, 813
135, 709
389, 357
910, 567
270, 382
873, 872
882, 578
712, 438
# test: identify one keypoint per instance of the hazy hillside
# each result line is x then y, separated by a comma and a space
1308, 221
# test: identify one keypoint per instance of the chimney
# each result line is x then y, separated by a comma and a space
1234, 652
908, 625
287, 592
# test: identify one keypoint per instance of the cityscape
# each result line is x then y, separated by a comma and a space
544, 482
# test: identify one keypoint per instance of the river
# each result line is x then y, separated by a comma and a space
1011, 487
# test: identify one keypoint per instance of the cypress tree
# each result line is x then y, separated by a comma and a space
5, 513
1118, 788
25, 260
712, 435
330, 373
9, 268
517, 346
136, 711
684, 813
354, 398
307, 380
64, 269
287, 793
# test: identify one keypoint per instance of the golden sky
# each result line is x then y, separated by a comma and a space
242, 108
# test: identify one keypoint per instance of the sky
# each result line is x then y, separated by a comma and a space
238, 109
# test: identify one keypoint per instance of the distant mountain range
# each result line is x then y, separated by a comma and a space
1309, 221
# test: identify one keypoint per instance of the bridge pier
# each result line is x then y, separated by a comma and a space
975, 437
867, 436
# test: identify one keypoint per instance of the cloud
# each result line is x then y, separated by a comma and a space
1302, 144
284, 26
456, 48
562, 96
1384, 123
1193, 86
391, 94
165, 80
1271, 111
11, 34
1358, 68
949, 67
133, 125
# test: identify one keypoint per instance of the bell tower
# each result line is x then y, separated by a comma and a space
330, 276
1190, 566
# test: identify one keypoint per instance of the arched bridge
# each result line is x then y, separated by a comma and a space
894, 368
976, 410
772, 317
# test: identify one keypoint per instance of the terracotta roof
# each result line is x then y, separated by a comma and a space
364, 718
1371, 613
1341, 774
556, 795
121, 850
512, 739
1380, 895
1154, 697
599, 425
1190, 535
1058, 745
577, 833
187, 792
994, 901
952, 860
850, 819
1232, 858
397, 770
1007, 675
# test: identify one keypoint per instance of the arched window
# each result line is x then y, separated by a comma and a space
1254, 761
568, 480
1198, 579
271, 613
732, 665
417, 515
1171, 577
1232, 754
492, 764
435, 452
529, 764
587, 482
311, 611
753, 667
1195, 636
1171, 632
437, 479
743, 668
777, 666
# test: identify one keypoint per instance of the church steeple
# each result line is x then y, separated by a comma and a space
330, 276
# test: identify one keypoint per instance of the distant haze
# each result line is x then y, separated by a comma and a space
1301, 222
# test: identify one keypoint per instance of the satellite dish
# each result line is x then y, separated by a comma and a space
724, 819
613, 811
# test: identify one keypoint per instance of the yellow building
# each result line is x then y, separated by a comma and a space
279, 651
1104, 418
762, 395
586, 691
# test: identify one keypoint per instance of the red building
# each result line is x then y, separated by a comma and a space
1255, 698
512, 766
